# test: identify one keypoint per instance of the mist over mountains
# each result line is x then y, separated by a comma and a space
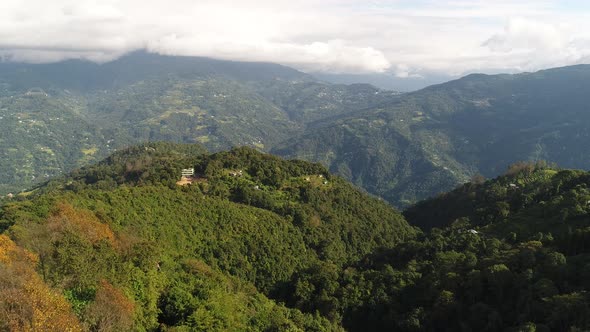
388, 80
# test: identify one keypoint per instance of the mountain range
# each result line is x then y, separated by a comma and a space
401, 147
431, 140
56, 117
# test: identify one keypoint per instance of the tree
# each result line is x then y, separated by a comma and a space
111, 310
26, 302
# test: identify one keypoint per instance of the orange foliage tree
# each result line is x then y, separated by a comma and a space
26, 302
80, 221
111, 309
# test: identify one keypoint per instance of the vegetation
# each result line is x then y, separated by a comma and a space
254, 242
262, 244
129, 249
508, 254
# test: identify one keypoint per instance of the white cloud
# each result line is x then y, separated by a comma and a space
404, 37
527, 44
523, 34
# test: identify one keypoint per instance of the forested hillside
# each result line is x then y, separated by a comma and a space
258, 243
122, 246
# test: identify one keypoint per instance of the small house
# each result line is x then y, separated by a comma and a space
188, 172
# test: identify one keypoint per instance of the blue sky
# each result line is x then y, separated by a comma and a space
407, 39
572, 5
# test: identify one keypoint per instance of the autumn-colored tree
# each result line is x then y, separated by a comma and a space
111, 310
64, 236
82, 222
26, 302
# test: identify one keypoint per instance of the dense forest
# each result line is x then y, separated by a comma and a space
254, 242
121, 246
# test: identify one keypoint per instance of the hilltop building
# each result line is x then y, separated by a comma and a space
188, 172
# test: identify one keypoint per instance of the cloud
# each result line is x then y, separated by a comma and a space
527, 44
403, 37
523, 34
402, 70
332, 56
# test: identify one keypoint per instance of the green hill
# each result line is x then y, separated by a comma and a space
505, 258
130, 248
529, 201
508, 254
258, 243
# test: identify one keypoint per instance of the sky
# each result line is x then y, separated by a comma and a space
407, 39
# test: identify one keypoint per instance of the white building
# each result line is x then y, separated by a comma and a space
188, 172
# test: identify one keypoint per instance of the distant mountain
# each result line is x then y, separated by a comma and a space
55, 117
431, 140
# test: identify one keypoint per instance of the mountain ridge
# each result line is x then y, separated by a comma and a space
147, 97
476, 124
400, 147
